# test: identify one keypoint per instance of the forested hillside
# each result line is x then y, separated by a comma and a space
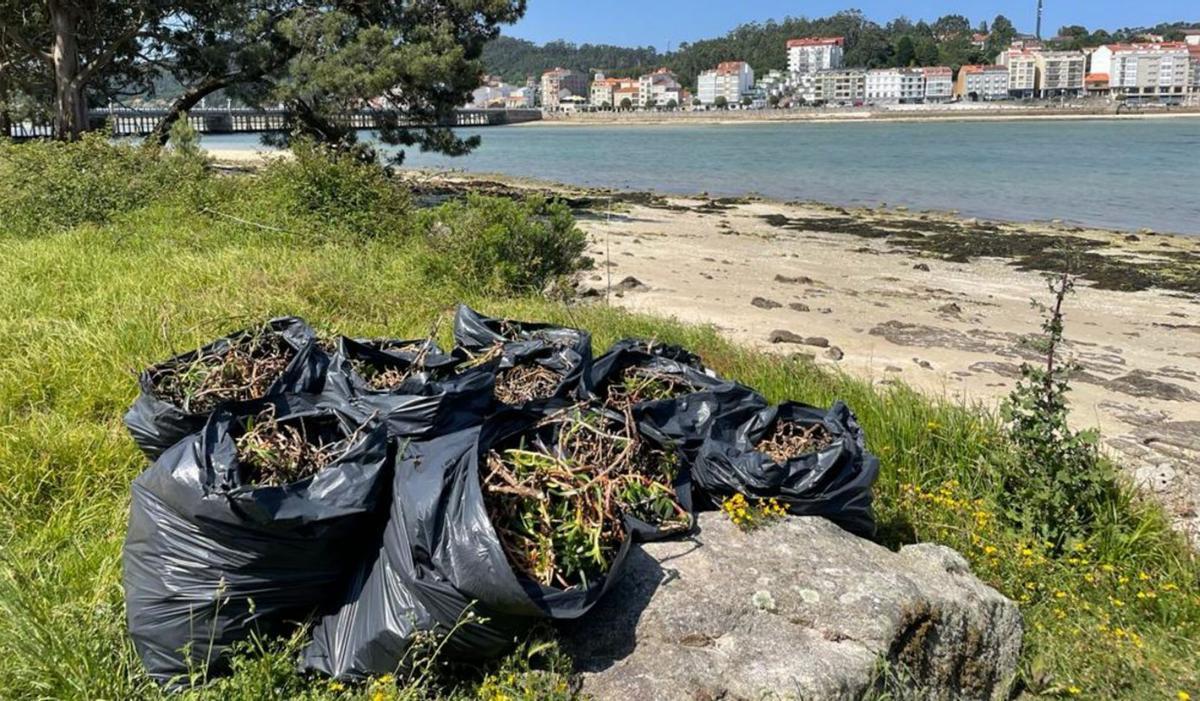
900, 42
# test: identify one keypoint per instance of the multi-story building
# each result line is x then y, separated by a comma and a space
660, 88
939, 83
895, 85
1141, 72
835, 87
773, 83
1194, 52
1022, 71
521, 98
601, 93
1060, 73
559, 83
982, 83
730, 80
627, 93
1191, 37
815, 54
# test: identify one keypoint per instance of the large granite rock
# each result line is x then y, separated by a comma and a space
798, 610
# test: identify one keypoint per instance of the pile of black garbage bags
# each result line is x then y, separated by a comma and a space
393, 539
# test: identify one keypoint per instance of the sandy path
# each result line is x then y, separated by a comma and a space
953, 329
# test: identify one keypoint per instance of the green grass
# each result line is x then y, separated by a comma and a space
83, 306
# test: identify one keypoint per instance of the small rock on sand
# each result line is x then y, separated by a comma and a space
783, 336
835, 353
798, 280
764, 303
951, 308
922, 267
799, 307
631, 283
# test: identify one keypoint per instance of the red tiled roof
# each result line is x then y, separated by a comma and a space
817, 41
937, 70
1095, 78
982, 69
730, 67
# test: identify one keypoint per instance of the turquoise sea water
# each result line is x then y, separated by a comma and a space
1111, 174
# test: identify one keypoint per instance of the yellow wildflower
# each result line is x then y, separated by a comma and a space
1074, 690
1183, 696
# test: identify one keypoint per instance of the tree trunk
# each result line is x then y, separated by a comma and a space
162, 130
70, 107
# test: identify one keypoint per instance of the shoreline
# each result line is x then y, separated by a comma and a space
847, 117
617, 194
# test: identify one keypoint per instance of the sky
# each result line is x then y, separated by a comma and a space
664, 24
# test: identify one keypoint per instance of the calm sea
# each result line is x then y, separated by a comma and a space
1111, 174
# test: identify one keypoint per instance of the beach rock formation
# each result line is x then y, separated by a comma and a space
800, 609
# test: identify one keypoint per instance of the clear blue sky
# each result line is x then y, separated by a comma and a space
657, 22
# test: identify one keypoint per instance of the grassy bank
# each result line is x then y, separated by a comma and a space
90, 296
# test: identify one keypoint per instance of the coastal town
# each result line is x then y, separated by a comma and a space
1149, 71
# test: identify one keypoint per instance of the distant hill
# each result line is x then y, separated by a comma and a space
514, 59
900, 42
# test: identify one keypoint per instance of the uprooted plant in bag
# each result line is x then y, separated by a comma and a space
558, 499
789, 439
274, 453
637, 384
241, 370
390, 377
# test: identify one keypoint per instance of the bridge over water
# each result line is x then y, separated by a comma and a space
139, 122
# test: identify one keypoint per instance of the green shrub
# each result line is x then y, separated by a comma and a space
501, 246
332, 188
50, 186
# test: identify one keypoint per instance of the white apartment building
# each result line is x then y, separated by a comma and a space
895, 85
939, 83
521, 98
1022, 71
660, 88
773, 83
730, 80
815, 54
1060, 73
1139, 72
983, 83
601, 93
559, 83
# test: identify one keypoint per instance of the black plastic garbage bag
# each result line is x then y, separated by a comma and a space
834, 482
565, 352
476, 332
157, 424
210, 560
431, 400
440, 560
683, 420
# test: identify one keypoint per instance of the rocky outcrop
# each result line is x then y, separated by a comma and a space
800, 609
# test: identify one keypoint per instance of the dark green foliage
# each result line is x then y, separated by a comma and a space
516, 59
49, 186
325, 185
1058, 485
498, 245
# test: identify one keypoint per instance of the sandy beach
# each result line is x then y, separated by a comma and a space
929, 299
